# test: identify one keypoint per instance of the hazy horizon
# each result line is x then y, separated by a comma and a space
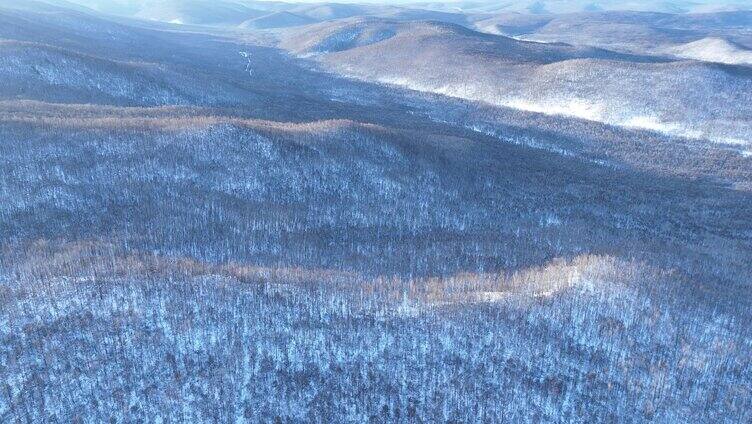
537, 6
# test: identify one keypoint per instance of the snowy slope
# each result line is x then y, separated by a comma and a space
713, 50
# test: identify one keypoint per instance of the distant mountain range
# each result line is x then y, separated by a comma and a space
625, 31
575, 6
553, 78
233, 12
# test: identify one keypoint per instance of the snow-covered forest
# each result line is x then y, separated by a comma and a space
190, 234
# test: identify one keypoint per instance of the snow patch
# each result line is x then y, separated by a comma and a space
567, 107
714, 50
653, 124
490, 297
550, 220
732, 141
577, 108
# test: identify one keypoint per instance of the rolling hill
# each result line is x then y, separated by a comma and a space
636, 32
560, 79
34, 71
277, 20
579, 6
196, 12
714, 50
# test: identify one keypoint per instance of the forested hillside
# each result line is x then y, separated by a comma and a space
206, 222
